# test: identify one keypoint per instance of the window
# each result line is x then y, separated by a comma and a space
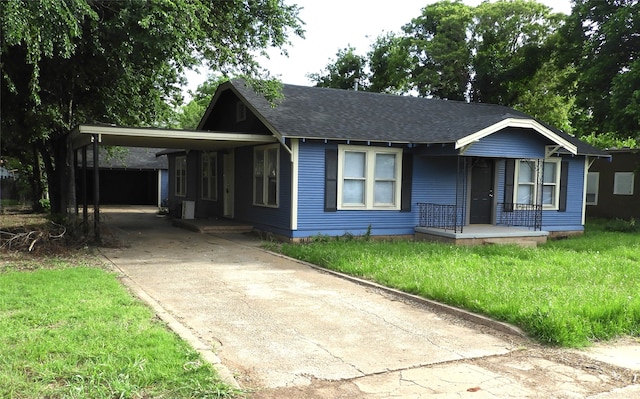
181, 176
369, 177
209, 176
527, 189
266, 169
623, 183
593, 182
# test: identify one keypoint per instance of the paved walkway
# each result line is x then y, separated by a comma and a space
286, 330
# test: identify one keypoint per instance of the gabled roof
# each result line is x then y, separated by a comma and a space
333, 114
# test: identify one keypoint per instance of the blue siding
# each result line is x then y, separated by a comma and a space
313, 220
571, 219
510, 143
434, 180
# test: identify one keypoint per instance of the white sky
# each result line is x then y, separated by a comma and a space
332, 25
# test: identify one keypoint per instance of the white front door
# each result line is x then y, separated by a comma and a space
227, 181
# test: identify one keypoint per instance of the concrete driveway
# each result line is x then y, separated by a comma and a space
283, 329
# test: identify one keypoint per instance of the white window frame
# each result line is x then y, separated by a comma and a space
594, 178
536, 184
259, 176
181, 176
623, 183
209, 176
369, 178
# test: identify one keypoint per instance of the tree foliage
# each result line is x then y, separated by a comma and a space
439, 50
501, 52
66, 62
602, 42
345, 72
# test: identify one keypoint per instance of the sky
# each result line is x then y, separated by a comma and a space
332, 25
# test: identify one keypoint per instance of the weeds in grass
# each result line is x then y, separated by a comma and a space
569, 292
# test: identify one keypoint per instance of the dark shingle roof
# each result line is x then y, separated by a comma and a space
322, 113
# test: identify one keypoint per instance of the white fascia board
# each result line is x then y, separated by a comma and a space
172, 134
518, 123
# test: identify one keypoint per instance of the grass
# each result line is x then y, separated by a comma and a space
68, 330
569, 292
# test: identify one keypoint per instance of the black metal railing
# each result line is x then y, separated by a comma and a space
438, 216
522, 215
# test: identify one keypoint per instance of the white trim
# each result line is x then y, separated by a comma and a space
518, 123
162, 138
295, 152
539, 185
369, 177
265, 179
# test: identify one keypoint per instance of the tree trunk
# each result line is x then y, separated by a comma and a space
58, 174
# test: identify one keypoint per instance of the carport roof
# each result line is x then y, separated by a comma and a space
163, 138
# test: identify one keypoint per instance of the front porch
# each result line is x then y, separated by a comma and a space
519, 224
481, 234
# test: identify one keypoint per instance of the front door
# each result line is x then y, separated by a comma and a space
480, 210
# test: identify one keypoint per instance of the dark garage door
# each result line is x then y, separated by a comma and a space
124, 187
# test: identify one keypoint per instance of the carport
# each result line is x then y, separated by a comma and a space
95, 136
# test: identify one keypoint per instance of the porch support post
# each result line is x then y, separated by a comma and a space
96, 188
85, 203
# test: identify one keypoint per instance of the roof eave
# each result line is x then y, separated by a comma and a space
517, 123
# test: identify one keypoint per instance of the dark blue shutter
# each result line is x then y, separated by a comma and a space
407, 180
564, 178
509, 174
330, 180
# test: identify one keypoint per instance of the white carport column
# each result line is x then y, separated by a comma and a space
295, 147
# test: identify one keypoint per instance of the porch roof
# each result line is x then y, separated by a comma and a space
163, 138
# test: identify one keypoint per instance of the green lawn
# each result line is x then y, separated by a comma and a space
68, 331
569, 292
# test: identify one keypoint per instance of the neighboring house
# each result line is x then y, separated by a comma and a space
612, 187
347, 162
128, 176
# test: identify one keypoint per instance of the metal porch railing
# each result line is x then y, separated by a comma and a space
438, 216
523, 215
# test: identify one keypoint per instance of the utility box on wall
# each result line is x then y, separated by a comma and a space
188, 209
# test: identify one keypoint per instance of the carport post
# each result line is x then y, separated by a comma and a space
85, 202
96, 188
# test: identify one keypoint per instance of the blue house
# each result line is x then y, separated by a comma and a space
334, 162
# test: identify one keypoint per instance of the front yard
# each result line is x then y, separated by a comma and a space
569, 292
69, 329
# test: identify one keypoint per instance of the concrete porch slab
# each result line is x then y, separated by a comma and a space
479, 234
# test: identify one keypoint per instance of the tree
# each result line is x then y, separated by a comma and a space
347, 71
390, 65
439, 51
501, 52
511, 44
602, 43
66, 62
